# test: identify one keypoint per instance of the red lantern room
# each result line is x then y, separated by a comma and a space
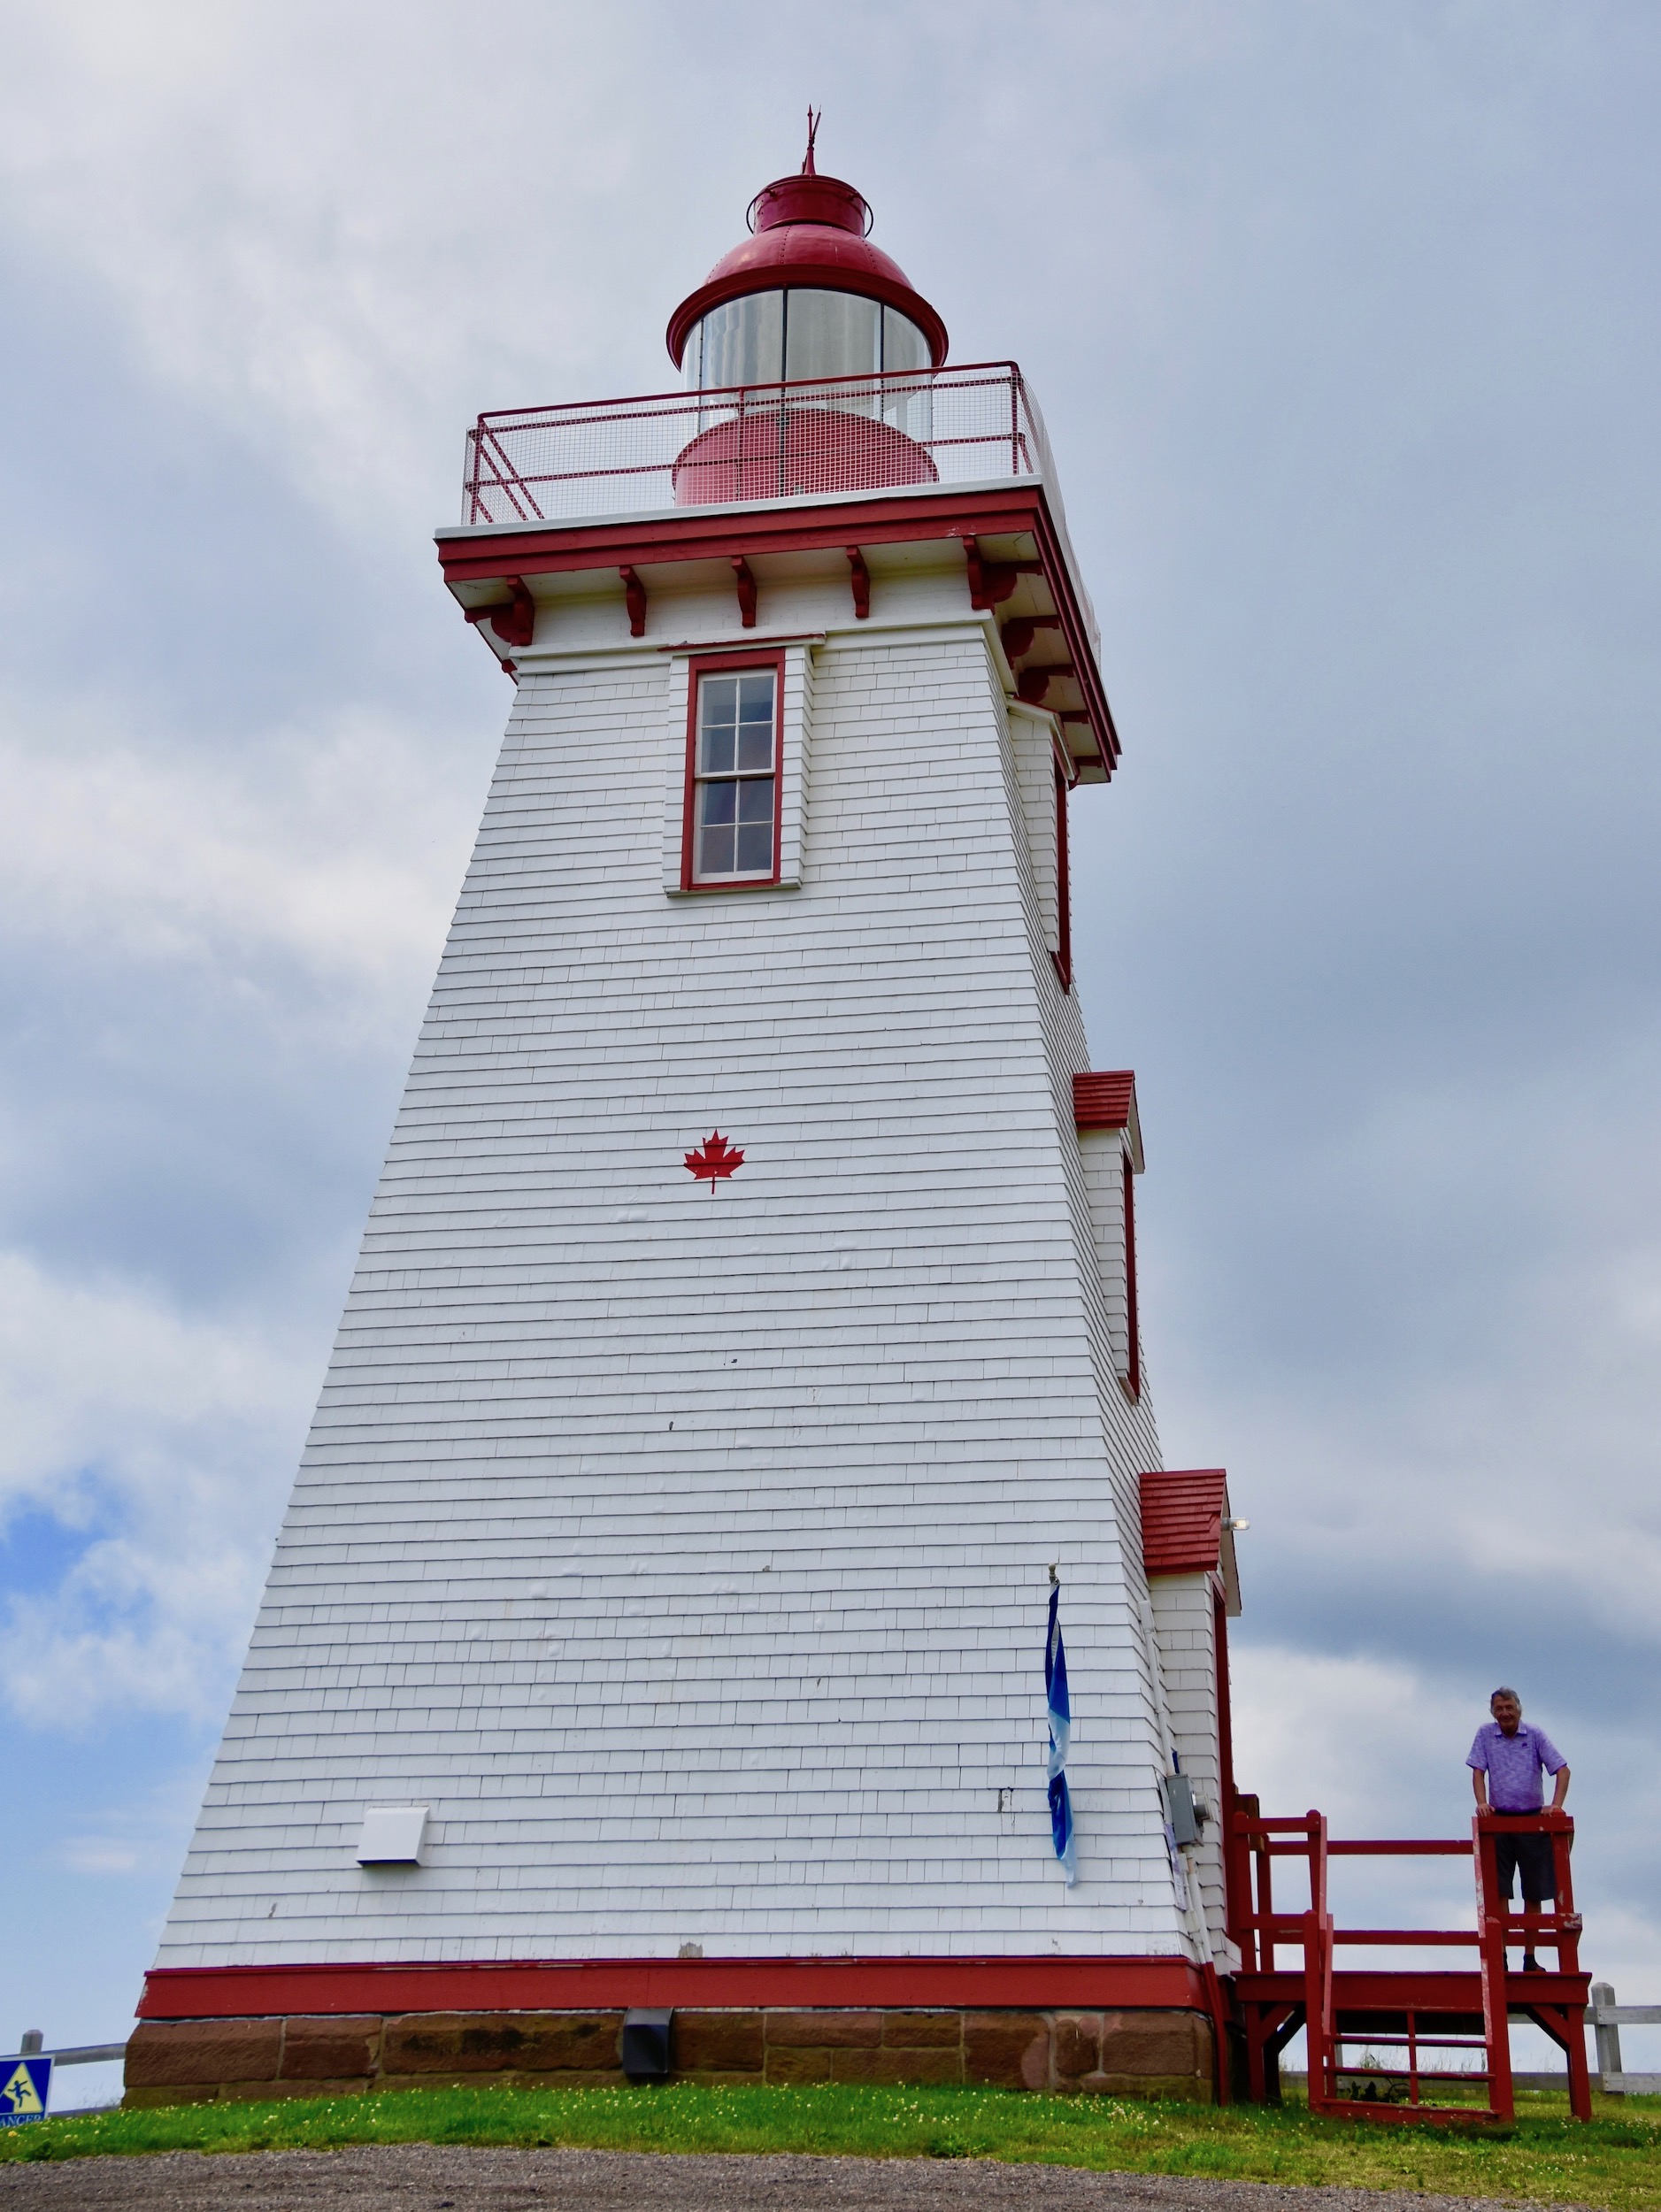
807, 300
807, 294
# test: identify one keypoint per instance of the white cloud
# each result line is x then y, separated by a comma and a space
1351, 1736
146, 1835
98, 1370
324, 223
339, 848
343, 231
1376, 1746
96, 1854
1512, 1442
171, 1440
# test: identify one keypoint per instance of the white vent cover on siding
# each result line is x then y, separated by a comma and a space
392, 1835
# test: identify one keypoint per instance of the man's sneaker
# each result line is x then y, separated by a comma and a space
1530, 1964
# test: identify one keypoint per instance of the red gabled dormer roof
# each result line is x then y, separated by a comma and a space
1109, 1101
1185, 1525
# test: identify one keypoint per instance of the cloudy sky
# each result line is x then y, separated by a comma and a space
1343, 316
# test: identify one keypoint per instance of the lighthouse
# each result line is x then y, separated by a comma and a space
740, 1406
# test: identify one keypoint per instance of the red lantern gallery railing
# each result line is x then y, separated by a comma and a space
803, 439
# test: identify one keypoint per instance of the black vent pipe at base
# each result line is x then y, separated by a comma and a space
644, 2044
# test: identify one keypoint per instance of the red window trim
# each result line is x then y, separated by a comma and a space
1062, 954
701, 664
1132, 1378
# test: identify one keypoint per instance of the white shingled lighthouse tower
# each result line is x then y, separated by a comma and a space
743, 1346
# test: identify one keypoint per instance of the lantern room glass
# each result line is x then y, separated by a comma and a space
797, 336
740, 342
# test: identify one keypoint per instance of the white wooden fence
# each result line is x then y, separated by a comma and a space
1607, 2019
77, 2054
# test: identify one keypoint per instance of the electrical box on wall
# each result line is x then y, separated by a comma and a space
1180, 1809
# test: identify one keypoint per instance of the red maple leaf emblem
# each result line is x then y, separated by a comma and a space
714, 1158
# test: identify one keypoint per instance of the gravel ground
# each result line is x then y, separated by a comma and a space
427, 2178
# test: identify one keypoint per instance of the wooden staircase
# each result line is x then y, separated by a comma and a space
1428, 2017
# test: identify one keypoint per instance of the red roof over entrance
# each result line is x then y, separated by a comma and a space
1182, 1515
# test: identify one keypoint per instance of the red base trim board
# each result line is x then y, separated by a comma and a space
223, 1993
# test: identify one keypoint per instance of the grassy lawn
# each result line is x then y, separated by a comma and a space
1545, 2156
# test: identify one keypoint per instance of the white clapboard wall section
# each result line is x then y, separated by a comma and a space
688, 1555
1185, 1627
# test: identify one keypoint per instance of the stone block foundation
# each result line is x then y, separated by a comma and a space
1139, 2052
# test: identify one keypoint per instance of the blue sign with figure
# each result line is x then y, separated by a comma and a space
26, 2087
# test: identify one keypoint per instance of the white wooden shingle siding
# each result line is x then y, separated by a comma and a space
1032, 738
1185, 1624
1104, 1153
687, 1554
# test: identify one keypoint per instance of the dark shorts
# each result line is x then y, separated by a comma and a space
1531, 1857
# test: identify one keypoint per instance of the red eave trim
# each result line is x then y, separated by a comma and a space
1182, 1520
224, 1993
699, 534
1080, 650
548, 549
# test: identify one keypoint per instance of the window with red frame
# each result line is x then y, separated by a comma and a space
733, 794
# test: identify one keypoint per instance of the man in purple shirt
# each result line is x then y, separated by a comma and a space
1506, 1762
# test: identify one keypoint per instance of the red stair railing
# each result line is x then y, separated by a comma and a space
1500, 1928
1416, 2011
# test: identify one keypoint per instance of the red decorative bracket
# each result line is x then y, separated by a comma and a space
713, 1160
514, 624
634, 593
746, 584
1018, 635
1033, 683
991, 582
860, 576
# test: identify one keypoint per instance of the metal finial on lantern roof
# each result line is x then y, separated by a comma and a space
808, 170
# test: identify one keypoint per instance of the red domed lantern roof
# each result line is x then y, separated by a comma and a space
809, 231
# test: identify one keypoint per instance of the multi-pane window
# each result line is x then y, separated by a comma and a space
735, 777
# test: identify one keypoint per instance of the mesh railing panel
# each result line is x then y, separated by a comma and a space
791, 441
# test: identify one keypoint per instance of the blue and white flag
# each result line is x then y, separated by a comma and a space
1060, 1732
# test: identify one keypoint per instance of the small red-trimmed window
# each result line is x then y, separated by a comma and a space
1133, 1327
731, 834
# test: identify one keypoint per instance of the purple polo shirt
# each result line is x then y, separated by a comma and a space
1512, 1765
